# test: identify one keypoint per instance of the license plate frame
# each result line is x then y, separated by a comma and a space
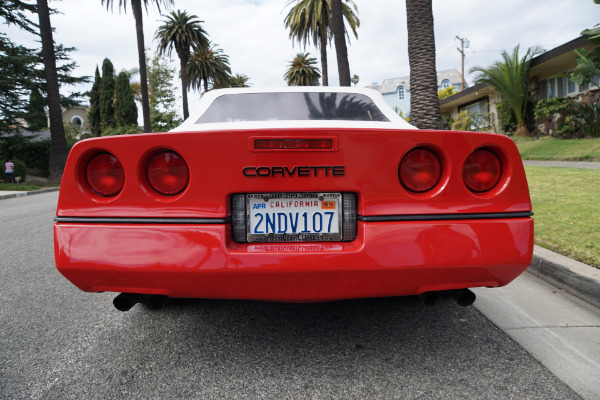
298, 210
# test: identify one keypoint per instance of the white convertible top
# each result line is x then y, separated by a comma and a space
191, 124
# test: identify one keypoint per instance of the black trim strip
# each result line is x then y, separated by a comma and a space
227, 220
444, 217
119, 220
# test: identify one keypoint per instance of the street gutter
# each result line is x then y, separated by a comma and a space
12, 194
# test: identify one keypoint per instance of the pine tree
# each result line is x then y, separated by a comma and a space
125, 109
107, 92
36, 116
94, 112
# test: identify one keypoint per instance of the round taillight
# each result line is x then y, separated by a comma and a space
168, 173
482, 170
105, 175
420, 170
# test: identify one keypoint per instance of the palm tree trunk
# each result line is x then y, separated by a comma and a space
136, 5
424, 102
323, 49
58, 148
183, 61
205, 84
522, 129
339, 37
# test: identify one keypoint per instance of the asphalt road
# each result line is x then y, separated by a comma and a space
57, 342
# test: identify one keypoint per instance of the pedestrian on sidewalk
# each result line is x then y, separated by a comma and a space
9, 171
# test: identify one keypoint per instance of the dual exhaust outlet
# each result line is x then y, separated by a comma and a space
462, 297
126, 301
154, 302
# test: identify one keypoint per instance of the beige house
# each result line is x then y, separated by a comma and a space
546, 80
77, 117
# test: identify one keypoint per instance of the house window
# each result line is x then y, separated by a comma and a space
595, 82
584, 88
400, 92
445, 83
77, 121
561, 84
543, 87
551, 88
572, 87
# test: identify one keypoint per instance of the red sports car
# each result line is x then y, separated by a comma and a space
296, 195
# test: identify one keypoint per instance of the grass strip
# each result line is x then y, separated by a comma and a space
560, 149
18, 187
567, 211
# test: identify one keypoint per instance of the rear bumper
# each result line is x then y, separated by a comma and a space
386, 259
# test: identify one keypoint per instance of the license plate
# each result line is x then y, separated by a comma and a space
294, 217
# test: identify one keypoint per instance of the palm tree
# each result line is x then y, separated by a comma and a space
337, 23
181, 31
208, 64
311, 19
302, 71
58, 147
424, 102
510, 79
239, 81
136, 6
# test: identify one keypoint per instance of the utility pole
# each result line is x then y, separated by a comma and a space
464, 44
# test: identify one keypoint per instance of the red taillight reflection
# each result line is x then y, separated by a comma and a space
105, 175
420, 170
482, 170
168, 173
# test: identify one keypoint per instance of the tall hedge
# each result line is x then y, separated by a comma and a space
94, 111
107, 92
36, 115
125, 109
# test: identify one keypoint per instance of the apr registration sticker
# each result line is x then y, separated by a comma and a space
294, 217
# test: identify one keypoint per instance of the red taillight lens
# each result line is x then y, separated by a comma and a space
168, 173
420, 170
105, 175
482, 170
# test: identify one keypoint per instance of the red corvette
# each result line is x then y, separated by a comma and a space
294, 195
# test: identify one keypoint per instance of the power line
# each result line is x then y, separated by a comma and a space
501, 50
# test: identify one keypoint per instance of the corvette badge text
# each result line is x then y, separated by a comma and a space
299, 171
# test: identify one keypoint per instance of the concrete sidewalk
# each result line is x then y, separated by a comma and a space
558, 329
564, 164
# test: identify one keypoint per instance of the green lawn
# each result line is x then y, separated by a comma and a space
560, 149
566, 203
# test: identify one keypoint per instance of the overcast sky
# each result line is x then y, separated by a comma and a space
252, 34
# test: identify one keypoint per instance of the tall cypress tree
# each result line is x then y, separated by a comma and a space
36, 116
107, 92
94, 111
125, 109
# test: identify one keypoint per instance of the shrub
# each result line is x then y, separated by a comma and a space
34, 153
548, 107
506, 117
447, 92
20, 169
586, 119
463, 122
121, 130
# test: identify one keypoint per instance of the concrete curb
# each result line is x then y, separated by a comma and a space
575, 277
22, 194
